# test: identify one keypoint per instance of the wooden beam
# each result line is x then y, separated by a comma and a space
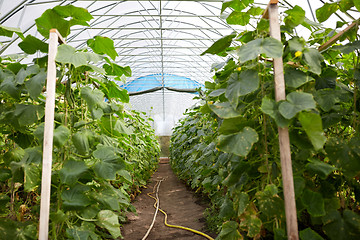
284, 140
48, 136
266, 12
332, 40
61, 40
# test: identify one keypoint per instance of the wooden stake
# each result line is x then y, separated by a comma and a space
48, 137
332, 40
284, 141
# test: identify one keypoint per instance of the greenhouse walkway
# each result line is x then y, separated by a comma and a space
181, 205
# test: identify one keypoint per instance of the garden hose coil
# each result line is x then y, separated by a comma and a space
156, 206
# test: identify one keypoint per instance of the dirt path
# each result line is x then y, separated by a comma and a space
180, 204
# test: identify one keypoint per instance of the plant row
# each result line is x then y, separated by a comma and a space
102, 153
227, 145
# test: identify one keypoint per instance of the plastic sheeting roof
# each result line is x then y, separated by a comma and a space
154, 38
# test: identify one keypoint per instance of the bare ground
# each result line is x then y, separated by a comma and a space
182, 206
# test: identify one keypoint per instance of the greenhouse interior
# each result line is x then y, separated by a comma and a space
192, 119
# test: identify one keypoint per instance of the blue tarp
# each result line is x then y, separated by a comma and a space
155, 81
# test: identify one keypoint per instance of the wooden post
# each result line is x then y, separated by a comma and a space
284, 141
48, 136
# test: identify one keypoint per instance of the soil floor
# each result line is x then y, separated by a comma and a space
181, 205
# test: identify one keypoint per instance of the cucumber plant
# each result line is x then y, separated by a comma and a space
227, 146
103, 153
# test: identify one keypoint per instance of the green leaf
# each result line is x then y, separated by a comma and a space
81, 142
32, 177
312, 124
28, 114
103, 45
240, 84
357, 5
79, 233
226, 209
113, 126
327, 79
238, 18
295, 16
309, 234
74, 198
11, 229
77, 15
345, 5
314, 203
345, 227
224, 110
72, 171
253, 224
58, 216
55, 18
5, 174
31, 45
238, 143
327, 98
343, 155
313, 59
295, 78
243, 202
68, 54
324, 12
9, 31
295, 103
347, 48
51, 19
270, 204
295, 44
268, 46
229, 231
125, 174
271, 108
232, 125
95, 100
321, 168
254, 11
217, 92
114, 91
220, 45
9, 85
22, 74
61, 135
237, 5
116, 70
109, 163
28, 169
299, 186
36, 84
109, 220
111, 198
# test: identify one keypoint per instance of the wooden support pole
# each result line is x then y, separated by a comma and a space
284, 141
48, 137
332, 40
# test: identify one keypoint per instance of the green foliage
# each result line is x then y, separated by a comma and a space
239, 143
102, 155
103, 45
268, 46
227, 146
57, 18
32, 44
220, 45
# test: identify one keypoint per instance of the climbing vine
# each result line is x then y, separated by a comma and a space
227, 146
103, 153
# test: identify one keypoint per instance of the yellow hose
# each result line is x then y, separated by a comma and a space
176, 226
